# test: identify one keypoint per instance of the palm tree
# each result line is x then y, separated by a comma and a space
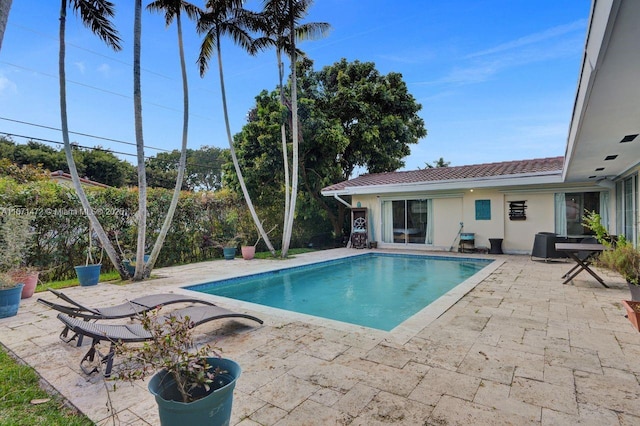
226, 17
137, 112
5, 7
96, 15
280, 28
172, 9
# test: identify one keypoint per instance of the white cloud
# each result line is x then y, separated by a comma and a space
105, 70
80, 65
560, 30
7, 86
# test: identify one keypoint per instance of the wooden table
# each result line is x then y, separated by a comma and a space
582, 254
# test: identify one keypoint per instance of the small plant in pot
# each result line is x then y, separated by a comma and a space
249, 251
621, 256
15, 246
191, 385
89, 273
10, 295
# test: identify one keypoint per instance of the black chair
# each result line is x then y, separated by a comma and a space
544, 246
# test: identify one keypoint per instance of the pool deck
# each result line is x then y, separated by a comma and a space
518, 348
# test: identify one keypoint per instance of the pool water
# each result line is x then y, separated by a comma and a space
373, 290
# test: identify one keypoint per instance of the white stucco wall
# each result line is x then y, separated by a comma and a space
450, 210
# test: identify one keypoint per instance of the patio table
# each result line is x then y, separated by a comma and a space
582, 254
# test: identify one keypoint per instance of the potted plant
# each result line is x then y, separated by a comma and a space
229, 248
15, 234
249, 251
621, 256
191, 385
10, 295
89, 273
633, 312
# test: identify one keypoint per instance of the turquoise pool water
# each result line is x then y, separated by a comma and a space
373, 290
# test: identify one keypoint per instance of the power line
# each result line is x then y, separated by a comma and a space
94, 148
82, 134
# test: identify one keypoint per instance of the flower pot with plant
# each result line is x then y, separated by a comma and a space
89, 273
249, 251
10, 295
15, 245
191, 385
633, 312
621, 256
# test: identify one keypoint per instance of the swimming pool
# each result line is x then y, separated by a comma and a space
376, 290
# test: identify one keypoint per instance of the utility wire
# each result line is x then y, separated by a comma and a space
189, 165
42, 126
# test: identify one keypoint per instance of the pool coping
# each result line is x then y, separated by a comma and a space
400, 334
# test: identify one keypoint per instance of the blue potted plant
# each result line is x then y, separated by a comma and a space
10, 296
192, 386
89, 273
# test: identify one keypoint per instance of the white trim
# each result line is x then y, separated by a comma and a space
547, 178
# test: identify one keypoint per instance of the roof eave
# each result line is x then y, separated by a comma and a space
553, 177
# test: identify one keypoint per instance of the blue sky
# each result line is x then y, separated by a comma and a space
496, 78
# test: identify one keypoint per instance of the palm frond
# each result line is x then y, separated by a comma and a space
95, 15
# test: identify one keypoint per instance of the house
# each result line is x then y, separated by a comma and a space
514, 200
65, 179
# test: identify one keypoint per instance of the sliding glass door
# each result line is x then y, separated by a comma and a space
406, 221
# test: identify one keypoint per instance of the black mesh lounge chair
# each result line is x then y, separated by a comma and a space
124, 310
131, 333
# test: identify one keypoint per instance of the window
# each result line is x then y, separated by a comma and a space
483, 209
627, 208
570, 209
407, 221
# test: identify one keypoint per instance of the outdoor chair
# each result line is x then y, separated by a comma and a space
127, 309
544, 246
132, 333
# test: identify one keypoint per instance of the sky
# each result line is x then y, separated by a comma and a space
496, 78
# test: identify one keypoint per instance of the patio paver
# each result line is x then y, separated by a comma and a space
519, 348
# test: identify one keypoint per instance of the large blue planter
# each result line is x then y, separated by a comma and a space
213, 409
131, 268
229, 253
88, 274
10, 301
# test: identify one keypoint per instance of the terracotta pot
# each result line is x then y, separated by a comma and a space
30, 281
633, 312
248, 252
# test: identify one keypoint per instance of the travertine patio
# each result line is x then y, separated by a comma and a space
520, 348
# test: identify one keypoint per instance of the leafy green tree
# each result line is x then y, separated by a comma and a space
203, 170
351, 117
103, 166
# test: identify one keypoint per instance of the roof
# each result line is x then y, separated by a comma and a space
465, 174
61, 176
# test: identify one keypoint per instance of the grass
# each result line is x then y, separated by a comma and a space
73, 282
19, 385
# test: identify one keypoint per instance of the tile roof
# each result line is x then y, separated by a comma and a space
457, 173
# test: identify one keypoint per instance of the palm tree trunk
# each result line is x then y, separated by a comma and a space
294, 136
182, 163
232, 150
142, 175
5, 7
93, 220
283, 136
